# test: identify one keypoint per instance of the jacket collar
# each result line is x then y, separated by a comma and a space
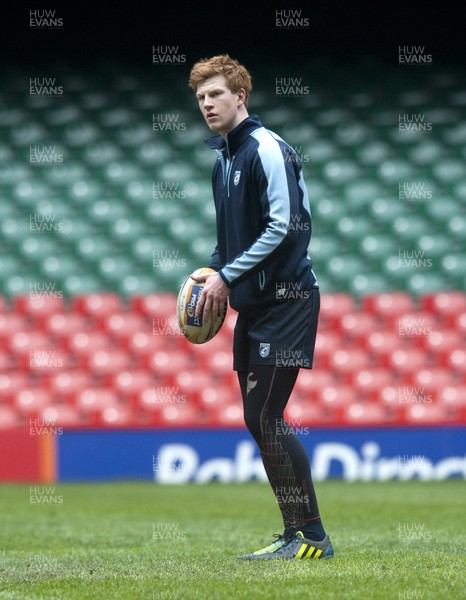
236, 136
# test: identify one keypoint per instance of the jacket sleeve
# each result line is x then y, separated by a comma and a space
215, 262
271, 181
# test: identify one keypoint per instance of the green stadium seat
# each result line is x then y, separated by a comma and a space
457, 226
361, 193
341, 171
449, 170
368, 283
427, 152
425, 283
376, 247
386, 210
373, 152
353, 228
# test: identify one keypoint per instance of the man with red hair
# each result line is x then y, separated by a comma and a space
262, 266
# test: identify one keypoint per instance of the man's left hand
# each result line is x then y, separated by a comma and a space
213, 297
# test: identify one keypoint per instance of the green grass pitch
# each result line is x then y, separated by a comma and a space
142, 541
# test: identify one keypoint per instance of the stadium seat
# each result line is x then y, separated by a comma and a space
98, 305
333, 307
369, 382
30, 402
389, 304
67, 384
345, 362
38, 306
406, 362
447, 305
130, 384
382, 344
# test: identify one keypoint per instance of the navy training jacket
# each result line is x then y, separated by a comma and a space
263, 217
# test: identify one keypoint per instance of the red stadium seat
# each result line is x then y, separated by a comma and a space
440, 344
155, 305
63, 416
35, 352
327, 343
382, 344
299, 415
357, 326
65, 325
229, 415
422, 414
363, 414
129, 384
98, 305
92, 402
11, 323
179, 415
446, 305
456, 360
407, 361
438, 376
414, 326
12, 383
143, 344
67, 384
115, 416
368, 382
106, 361
333, 307
310, 382
6, 361
191, 383
31, 401
124, 325
167, 364
346, 362
388, 305
334, 399
83, 343
218, 396
37, 306
453, 399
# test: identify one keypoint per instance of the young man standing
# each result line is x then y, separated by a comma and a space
262, 266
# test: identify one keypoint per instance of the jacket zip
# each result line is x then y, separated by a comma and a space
228, 176
261, 275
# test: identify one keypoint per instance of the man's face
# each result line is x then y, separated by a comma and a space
222, 109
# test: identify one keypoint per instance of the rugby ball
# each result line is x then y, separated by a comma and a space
195, 330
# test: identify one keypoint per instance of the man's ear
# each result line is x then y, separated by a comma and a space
242, 96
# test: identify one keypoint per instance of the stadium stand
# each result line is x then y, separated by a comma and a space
96, 239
